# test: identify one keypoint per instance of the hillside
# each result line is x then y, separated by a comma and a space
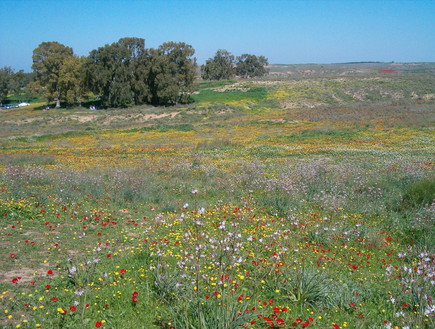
302, 199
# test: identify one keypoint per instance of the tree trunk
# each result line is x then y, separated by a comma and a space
57, 102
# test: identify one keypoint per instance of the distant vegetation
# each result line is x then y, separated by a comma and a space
14, 83
122, 74
224, 66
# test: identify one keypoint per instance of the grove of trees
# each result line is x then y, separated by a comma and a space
225, 66
12, 82
124, 73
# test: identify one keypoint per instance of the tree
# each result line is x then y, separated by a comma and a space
6, 81
48, 60
221, 66
112, 72
71, 79
172, 72
125, 73
250, 66
11, 82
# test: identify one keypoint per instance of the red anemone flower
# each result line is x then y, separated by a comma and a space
280, 321
134, 297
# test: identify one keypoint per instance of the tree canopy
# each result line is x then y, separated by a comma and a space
221, 66
110, 71
224, 66
71, 79
6, 81
125, 73
250, 66
172, 73
11, 82
48, 61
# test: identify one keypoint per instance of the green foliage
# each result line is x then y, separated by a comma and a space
250, 66
48, 61
221, 66
10, 81
418, 194
71, 80
110, 72
172, 73
125, 73
307, 288
277, 203
5, 82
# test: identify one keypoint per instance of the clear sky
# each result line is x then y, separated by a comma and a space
286, 32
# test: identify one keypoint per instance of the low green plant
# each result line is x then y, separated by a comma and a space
306, 287
418, 194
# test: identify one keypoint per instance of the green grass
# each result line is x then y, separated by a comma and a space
312, 134
214, 84
230, 96
418, 194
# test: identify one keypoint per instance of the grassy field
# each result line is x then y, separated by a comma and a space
302, 199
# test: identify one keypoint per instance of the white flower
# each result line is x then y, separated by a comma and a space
194, 191
429, 310
72, 270
79, 292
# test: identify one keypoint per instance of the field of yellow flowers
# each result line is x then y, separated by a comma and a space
287, 202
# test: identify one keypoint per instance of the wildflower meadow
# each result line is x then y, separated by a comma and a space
291, 201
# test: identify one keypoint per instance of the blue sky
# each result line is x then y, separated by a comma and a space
287, 32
